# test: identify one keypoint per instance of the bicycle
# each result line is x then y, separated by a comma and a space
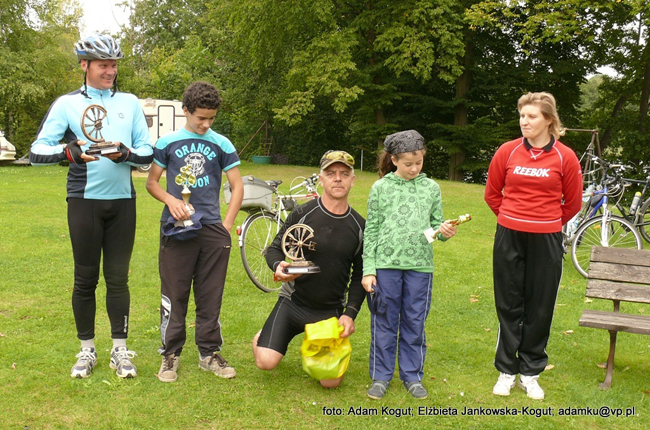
600, 171
639, 215
267, 210
606, 229
592, 176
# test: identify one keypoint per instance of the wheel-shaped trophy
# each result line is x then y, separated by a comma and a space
91, 125
295, 240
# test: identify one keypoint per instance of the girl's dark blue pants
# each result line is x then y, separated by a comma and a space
398, 328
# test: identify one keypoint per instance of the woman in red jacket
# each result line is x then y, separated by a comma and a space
534, 187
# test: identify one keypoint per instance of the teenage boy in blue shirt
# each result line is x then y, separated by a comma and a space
191, 256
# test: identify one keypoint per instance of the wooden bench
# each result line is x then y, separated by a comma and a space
620, 275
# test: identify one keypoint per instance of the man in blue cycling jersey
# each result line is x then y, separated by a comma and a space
100, 195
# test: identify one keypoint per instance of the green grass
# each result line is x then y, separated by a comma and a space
38, 338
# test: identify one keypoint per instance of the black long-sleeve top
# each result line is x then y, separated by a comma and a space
338, 253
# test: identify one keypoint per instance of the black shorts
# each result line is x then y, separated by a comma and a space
288, 320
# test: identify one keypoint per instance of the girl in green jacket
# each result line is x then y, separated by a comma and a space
398, 262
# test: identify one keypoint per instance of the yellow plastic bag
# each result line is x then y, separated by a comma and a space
325, 355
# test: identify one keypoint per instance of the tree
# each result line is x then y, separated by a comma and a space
621, 110
350, 72
519, 47
163, 23
36, 39
344, 57
364, 60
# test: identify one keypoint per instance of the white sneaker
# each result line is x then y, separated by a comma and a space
121, 361
531, 387
87, 359
504, 384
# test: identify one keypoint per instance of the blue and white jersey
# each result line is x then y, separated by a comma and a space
208, 155
125, 122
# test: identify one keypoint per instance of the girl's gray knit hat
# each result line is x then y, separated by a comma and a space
404, 141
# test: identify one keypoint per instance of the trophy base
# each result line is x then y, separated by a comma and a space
106, 150
184, 223
300, 270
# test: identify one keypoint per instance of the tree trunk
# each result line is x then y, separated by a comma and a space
460, 120
461, 108
607, 135
380, 119
645, 92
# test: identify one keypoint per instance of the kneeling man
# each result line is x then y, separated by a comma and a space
336, 290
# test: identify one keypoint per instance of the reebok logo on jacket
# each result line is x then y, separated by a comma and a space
530, 171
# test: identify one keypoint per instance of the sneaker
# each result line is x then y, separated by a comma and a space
504, 384
416, 389
531, 387
121, 361
378, 389
215, 363
87, 359
168, 368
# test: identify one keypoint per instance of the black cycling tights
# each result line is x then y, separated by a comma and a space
98, 226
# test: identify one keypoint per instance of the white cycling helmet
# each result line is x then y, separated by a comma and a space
98, 47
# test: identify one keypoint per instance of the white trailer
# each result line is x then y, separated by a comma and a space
7, 150
163, 117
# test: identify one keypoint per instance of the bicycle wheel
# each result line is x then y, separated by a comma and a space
257, 235
621, 234
570, 228
643, 220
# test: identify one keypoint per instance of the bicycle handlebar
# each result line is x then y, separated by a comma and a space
309, 184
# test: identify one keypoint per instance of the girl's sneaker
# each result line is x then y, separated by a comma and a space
121, 361
378, 389
86, 360
504, 384
416, 389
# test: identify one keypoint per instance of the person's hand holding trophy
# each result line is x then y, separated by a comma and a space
185, 179
432, 235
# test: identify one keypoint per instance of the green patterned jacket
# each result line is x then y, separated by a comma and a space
398, 213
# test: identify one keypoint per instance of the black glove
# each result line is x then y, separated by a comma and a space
125, 151
73, 152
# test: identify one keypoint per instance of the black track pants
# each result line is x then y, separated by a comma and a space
201, 264
527, 272
101, 227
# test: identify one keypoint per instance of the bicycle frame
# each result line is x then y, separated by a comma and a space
584, 214
262, 226
606, 214
637, 217
601, 202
